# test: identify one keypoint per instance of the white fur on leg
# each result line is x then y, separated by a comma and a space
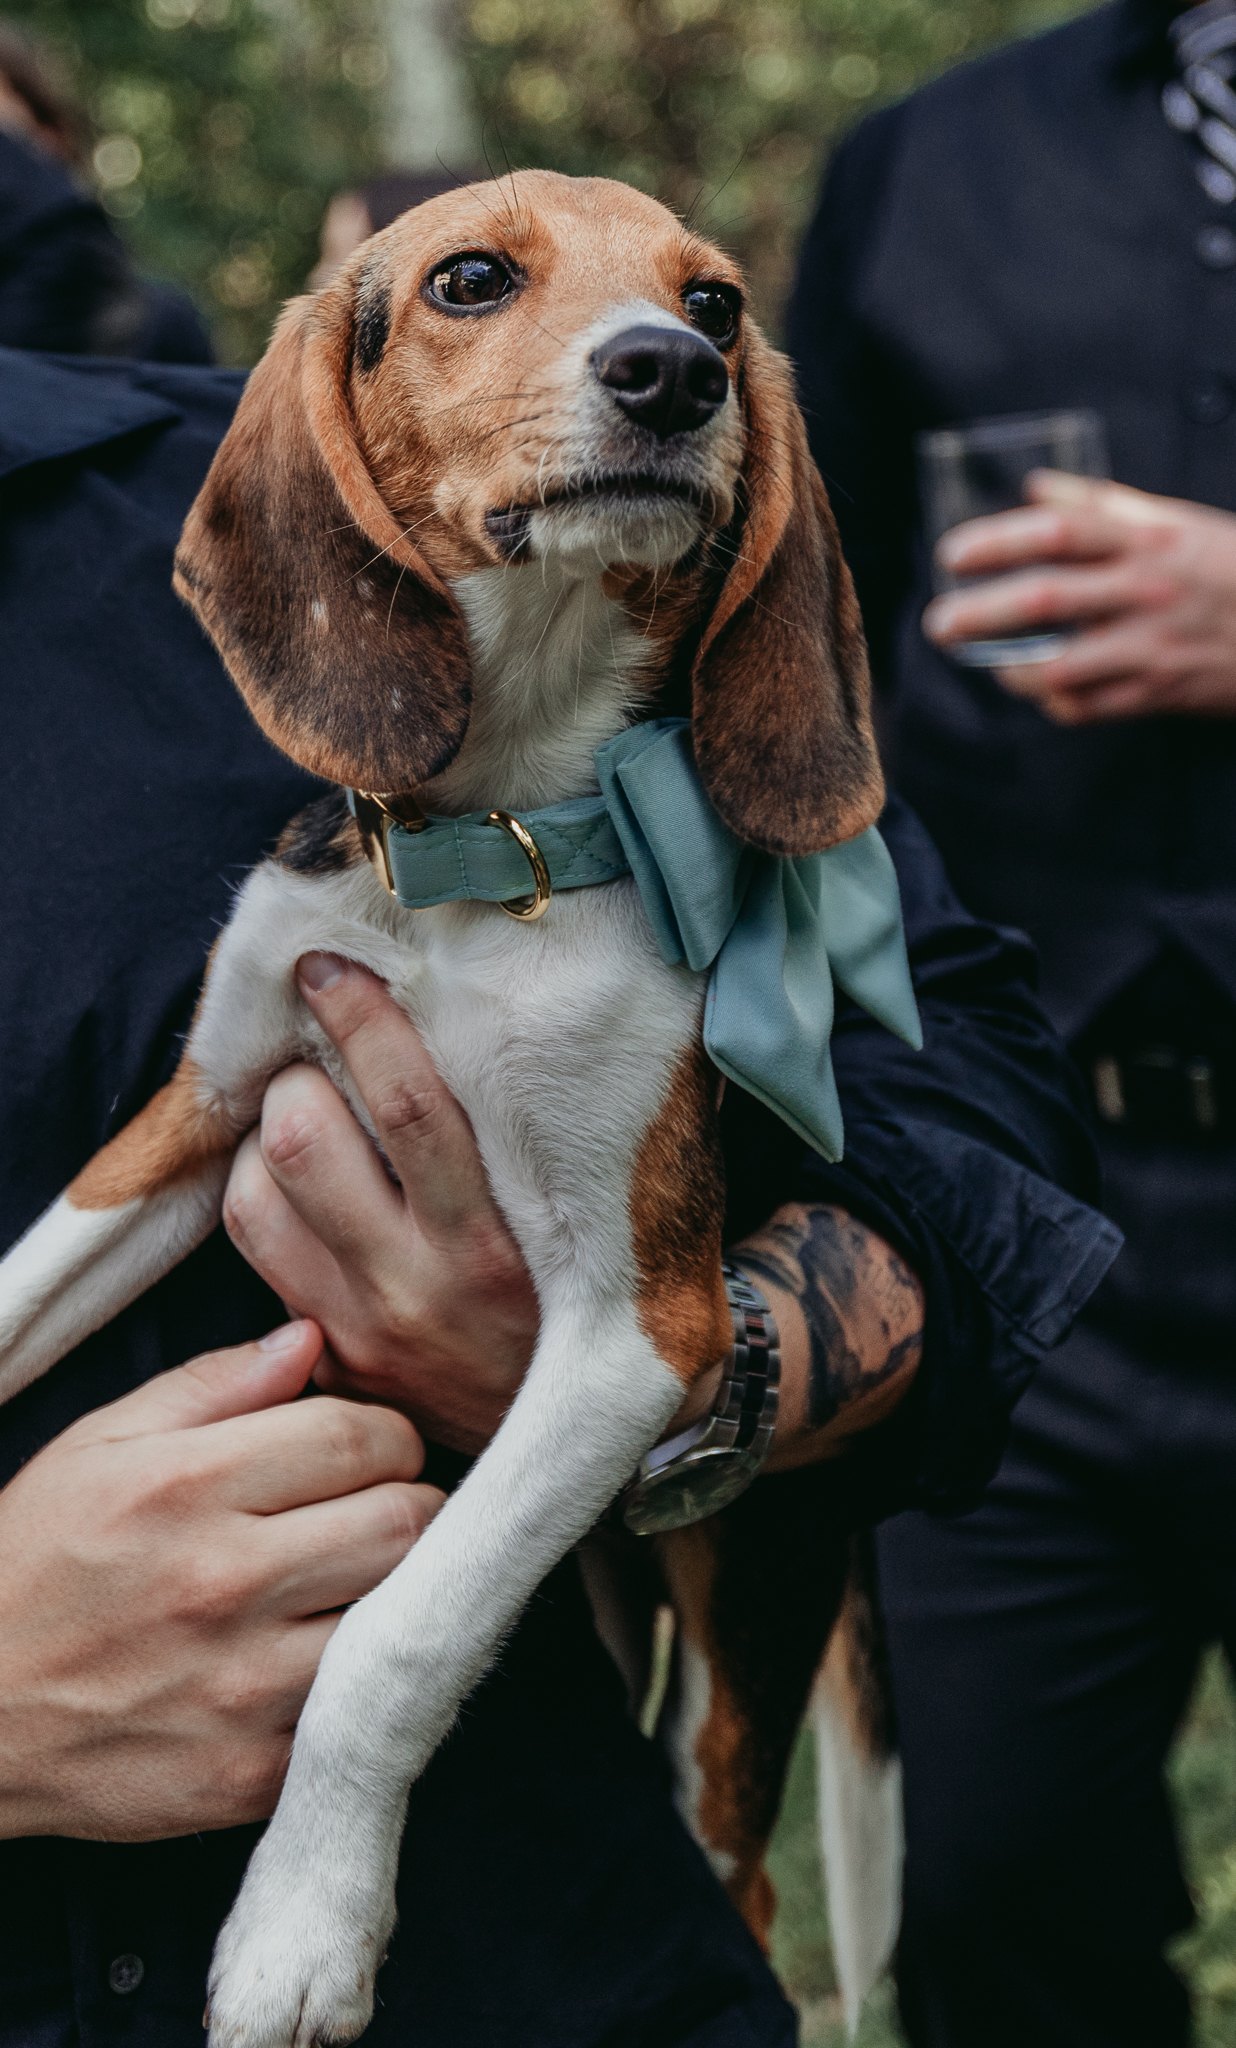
862, 1841
76, 1268
683, 1716
296, 1960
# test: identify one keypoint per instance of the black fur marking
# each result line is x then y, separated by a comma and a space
373, 325
509, 530
771, 1622
320, 840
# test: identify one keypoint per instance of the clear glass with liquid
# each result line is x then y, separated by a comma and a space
980, 467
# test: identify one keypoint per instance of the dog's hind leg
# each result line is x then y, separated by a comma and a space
132, 1213
858, 1778
755, 1591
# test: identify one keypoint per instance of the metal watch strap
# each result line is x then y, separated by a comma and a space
711, 1462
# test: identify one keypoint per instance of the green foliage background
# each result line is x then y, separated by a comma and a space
224, 125
724, 106
1202, 1779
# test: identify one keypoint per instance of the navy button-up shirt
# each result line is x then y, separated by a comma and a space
1029, 233
1024, 234
548, 1894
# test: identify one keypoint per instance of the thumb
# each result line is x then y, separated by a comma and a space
213, 1387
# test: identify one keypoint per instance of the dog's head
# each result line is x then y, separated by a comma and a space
539, 368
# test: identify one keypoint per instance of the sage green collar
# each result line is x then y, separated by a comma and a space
476, 859
773, 934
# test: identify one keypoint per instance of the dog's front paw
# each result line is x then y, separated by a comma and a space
295, 1962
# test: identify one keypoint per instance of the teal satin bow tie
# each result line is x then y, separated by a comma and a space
775, 933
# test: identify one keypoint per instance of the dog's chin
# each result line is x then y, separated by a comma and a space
648, 529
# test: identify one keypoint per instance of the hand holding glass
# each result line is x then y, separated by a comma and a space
974, 470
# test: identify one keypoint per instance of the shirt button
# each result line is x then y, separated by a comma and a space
1215, 246
124, 1974
1208, 401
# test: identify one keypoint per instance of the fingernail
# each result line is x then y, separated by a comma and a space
317, 972
285, 1338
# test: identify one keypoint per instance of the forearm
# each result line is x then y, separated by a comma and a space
850, 1314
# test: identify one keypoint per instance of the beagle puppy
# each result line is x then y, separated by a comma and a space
522, 472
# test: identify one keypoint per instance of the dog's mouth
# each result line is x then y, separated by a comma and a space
621, 485
508, 525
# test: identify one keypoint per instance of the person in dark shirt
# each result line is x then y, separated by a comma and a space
66, 280
1053, 227
549, 1897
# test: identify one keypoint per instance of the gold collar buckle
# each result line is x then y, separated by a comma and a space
375, 816
526, 908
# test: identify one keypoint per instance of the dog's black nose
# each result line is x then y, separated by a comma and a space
665, 378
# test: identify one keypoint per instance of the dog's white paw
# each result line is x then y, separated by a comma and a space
295, 1963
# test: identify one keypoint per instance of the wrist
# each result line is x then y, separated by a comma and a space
703, 1467
699, 1401
33, 1790
22, 1810
850, 1314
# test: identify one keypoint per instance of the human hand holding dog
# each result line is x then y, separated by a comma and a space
420, 1287
423, 1292
174, 1564
1150, 581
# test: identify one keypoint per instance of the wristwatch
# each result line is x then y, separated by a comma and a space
708, 1464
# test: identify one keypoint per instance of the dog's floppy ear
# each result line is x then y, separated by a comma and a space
345, 645
781, 692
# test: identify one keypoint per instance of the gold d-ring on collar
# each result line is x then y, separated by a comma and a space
375, 815
526, 908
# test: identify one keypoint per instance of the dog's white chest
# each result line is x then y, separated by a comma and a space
560, 1039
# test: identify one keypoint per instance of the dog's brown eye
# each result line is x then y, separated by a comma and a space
471, 281
715, 309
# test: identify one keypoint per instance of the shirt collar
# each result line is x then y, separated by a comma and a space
51, 408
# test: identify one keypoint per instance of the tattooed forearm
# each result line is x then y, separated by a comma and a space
861, 1304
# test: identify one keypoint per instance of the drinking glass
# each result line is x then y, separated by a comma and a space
981, 466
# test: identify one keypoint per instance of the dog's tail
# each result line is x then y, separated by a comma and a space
133, 1213
858, 1779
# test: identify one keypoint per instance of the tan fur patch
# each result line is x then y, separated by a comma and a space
677, 1207
731, 1811
761, 642
782, 695
341, 642
855, 1672
166, 1142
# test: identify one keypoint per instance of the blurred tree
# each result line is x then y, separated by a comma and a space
224, 125
724, 108
222, 128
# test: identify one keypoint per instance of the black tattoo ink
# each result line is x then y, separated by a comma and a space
823, 1257
778, 1272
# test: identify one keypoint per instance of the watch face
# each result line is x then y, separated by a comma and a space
689, 1491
